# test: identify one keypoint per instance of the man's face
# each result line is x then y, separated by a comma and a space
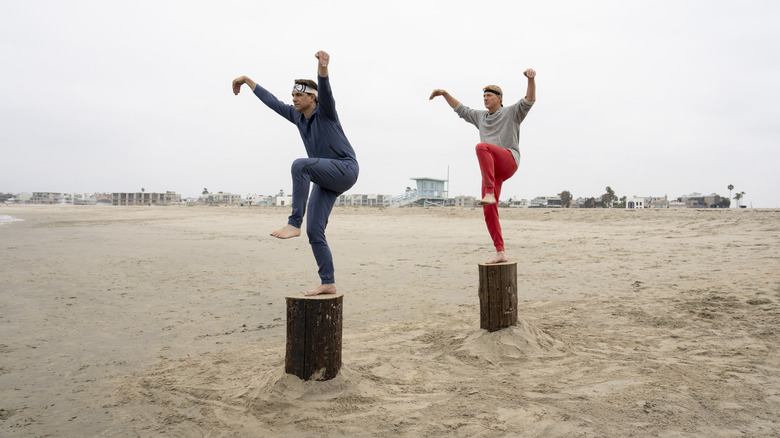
303, 101
492, 101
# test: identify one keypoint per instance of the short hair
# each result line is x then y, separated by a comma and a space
495, 89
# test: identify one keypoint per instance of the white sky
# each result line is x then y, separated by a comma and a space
651, 98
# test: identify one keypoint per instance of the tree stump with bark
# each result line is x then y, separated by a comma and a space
314, 336
497, 295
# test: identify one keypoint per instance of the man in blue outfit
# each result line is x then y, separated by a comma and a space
331, 166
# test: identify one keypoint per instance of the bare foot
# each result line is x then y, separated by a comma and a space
488, 199
499, 258
287, 232
329, 288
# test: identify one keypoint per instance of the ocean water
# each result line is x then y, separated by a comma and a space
5, 219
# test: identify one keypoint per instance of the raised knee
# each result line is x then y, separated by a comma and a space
481, 147
298, 165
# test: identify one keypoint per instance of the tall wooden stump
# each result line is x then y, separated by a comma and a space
497, 295
314, 336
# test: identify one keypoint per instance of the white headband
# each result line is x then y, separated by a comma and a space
302, 88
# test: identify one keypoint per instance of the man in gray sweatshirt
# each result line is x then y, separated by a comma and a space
498, 152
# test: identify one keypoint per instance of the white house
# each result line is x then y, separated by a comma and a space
635, 202
283, 201
259, 200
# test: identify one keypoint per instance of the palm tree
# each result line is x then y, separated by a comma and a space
730, 187
738, 197
205, 191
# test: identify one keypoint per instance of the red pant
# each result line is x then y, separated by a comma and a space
497, 165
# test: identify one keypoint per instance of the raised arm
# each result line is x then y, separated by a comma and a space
530, 94
325, 102
450, 100
322, 65
238, 82
284, 110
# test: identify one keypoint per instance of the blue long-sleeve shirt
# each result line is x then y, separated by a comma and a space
322, 134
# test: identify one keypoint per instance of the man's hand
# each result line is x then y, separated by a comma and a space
437, 92
530, 93
238, 82
323, 57
322, 65
450, 100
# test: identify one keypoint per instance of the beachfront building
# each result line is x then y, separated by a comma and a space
519, 203
45, 198
697, 200
544, 202
282, 201
658, 202
635, 203
554, 202
144, 198
360, 200
460, 201
221, 198
80, 199
19, 198
694, 200
655, 202
102, 198
59, 198
465, 201
259, 200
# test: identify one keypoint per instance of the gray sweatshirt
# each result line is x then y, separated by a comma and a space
502, 128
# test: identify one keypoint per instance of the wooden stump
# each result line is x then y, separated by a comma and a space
497, 295
314, 336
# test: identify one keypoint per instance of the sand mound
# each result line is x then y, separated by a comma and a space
517, 342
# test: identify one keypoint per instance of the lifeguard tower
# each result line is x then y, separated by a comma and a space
429, 192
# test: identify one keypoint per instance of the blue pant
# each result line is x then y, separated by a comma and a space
331, 178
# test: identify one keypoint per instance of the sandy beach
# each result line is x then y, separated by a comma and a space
170, 321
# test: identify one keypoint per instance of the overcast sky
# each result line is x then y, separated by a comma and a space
651, 98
